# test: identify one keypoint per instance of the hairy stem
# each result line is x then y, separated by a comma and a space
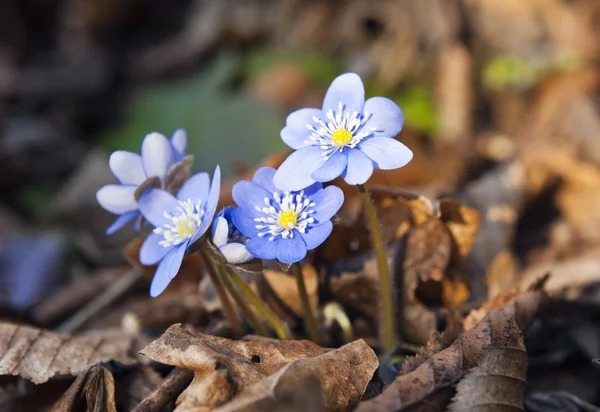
309, 317
239, 299
228, 308
386, 318
278, 326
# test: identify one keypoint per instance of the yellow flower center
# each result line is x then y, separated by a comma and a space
341, 137
287, 219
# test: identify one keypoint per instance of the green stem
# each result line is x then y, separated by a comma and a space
239, 299
278, 326
386, 328
309, 317
228, 308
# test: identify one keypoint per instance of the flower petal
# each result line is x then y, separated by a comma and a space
360, 168
121, 221
220, 231
179, 143
195, 188
117, 199
264, 178
295, 172
291, 250
328, 202
154, 203
332, 168
167, 269
262, 247
347, 89
316, 235
386, 153
236, 253
151, 252
212, 202
384, 115
296, 130
157, 155
127, 167
244, 222
247, 195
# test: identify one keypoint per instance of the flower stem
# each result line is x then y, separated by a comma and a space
309, 317
278, 326
239, 299
228, 308
386, 328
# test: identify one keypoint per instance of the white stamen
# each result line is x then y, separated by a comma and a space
296, 203
183, 225
353, 122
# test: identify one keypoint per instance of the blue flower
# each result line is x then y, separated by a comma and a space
132, 170
179, 222
228, 239
283, 225
347, 137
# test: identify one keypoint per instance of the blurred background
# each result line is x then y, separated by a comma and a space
481, 83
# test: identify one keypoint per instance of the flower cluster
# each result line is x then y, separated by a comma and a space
280, 214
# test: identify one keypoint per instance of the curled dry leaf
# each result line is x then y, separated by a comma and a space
96, 386
498, 382
249, 362
462, 222
429, 387
502, 274
246, 362
333, 381
38, 355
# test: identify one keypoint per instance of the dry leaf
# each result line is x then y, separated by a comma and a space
38, 355
207, 394
454, 292
502, 274
429, 386
427, 254
96, 385
285, 288
498, 382
463, 224
246, 362
341, 377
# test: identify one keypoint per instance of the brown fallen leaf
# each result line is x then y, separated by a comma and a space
96, 386
209, 392
429, 387
502, 273
285, 289
462, 222
247, 362
498, 382
38, 355
341, 377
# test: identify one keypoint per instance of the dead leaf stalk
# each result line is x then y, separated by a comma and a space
115, 291
167, 392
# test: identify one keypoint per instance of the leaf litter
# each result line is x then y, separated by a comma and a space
502, 192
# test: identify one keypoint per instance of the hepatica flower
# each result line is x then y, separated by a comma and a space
347, 137
179, 221
133, 171
283, 225
228, 239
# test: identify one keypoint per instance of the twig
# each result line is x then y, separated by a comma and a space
167, 392
115, 291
